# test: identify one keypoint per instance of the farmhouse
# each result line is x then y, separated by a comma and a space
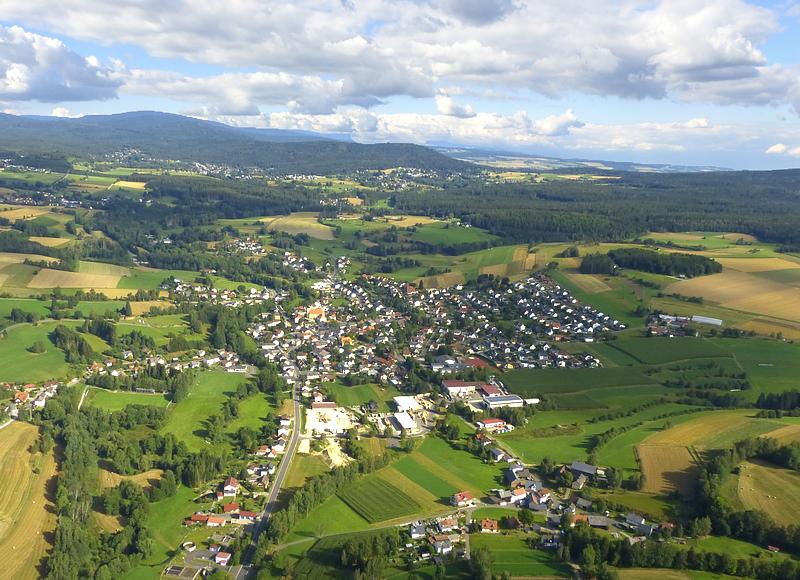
463, 499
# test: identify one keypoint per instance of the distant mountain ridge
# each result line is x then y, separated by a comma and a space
500, 159
170, 136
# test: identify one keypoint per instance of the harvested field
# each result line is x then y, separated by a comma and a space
771, 489
744, 291
442, 280
302, 223
667, 468
49, 242
144, 306
651, 574
787, 434
406, 221
146, 479
767, 327
8, 258
26, 514
22, 212
588, 282
47, 278
108, 523
758, 264
103, 269
128, 184
708, 428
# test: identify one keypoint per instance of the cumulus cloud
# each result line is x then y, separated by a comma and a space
40, 68
558, 124
64, 112
380, 48
446, 105
783, 149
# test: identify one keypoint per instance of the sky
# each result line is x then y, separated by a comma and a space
678, 81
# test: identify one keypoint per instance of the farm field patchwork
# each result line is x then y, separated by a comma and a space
27, 516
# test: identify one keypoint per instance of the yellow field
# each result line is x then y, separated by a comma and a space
666, 468
787, 434
442, 280
47, 278
7, 258
745, 292
356, 201
49, 242
111, 479
588, 282
144, 306
767, 327
773, 490
698, 431
301, 223
407, 221
26, 517
758, 264
23, 212
108, 523
128, 184
103, 269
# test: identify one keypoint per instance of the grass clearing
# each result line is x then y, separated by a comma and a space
18, 365
360, 394
145, 479
27, 516
510, 553
118, 400
302, 223
378, 503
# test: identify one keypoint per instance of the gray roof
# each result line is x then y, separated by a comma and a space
582, 467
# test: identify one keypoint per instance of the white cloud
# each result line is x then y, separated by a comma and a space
39, 68
64, 112
380, 48
558, 124
777, 149
446, 105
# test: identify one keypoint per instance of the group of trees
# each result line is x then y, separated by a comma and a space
668, 264
75, 347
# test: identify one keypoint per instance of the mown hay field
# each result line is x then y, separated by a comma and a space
714, 430
744, 291
27, 516
758, 264
771, 489
787, 434
47, 278
302, 223
667, 468
588, 282
24, 212
144, 479
49, 242
378, 501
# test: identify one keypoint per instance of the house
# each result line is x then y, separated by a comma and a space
262, 451
580, 482
447, 524
230, 487
246, 516
463, 499
489, 526
599, 522
541, 497
460, 389
222, 558
584, 504
634, 520
416, 531
493, 425
196, 519
215, 521
230, 508
496, 454
579, 468
441, 544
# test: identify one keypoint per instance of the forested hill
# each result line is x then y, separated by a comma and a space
168, 136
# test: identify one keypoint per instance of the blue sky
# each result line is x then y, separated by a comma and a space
712, 83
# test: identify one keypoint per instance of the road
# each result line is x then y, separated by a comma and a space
280, 475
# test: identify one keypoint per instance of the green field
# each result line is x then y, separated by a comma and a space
527, 382
40, 307
378, 501
206, 395
360, 394
115, 401
17, 365
665, 350
160, 328
330, 517
424, 478
510, 553
458, 468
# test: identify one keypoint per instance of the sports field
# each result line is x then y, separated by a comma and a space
771, 489
26, 512
377, 503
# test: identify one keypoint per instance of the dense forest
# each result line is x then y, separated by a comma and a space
761, 203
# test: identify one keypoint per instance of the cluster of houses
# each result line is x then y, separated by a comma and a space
436, 538
129, 365
195, 292
277, 446
225, 496
242, 247
30, 396
483, 395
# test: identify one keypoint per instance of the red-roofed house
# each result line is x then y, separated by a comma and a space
489, 526
215, 521
222, 558
230, 487
491, 424
230, 508
463, 499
